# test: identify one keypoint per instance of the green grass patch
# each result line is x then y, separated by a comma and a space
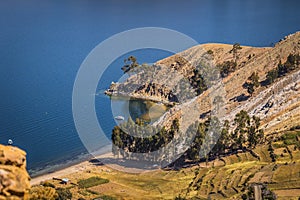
290, 137
92, 181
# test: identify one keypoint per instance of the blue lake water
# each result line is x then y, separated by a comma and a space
43, 44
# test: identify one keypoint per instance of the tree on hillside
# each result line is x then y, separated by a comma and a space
255, 135
254, 78
234, 51
252, 83
272, 75
224, 139
247, 130
242, 121
197, 82
292, 63
129, 64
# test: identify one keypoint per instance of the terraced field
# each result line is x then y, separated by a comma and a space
240, 171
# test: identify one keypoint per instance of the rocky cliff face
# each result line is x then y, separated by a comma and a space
14, 179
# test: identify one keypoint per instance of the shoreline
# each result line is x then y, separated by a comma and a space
71, 166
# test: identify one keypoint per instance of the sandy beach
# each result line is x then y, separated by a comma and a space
82, 166
106, 159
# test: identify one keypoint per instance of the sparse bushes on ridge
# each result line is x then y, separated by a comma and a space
235, 48
226, 68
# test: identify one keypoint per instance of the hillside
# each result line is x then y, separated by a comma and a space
263, 82
283, 94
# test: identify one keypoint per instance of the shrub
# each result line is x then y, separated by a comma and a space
272, 75
226, 68
210, 52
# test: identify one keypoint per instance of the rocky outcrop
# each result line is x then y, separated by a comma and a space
14, 179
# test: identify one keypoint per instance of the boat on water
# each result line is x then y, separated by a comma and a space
119, 117
10, 142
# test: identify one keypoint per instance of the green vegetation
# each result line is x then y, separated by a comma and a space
247, 130
272, 76
272, 154
235, 48
228, 176
242, 171
291, 64
128, 143
210, 52
291, 138
226, 68
246, 134
63, 194
92, 181
197, 82
129, 64
252, 83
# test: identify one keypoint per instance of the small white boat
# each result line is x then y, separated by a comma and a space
10, 142
119, 117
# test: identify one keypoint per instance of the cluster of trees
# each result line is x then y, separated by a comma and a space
130, 136
291, 64
245, 134
209, 138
